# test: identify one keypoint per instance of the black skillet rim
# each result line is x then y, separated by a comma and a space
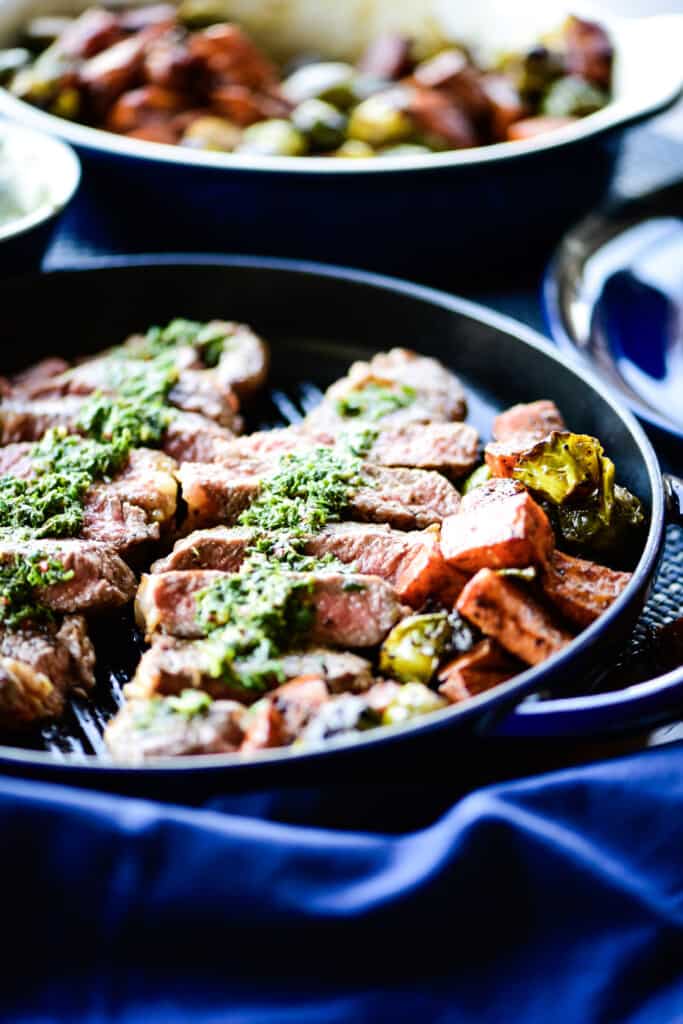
503, 695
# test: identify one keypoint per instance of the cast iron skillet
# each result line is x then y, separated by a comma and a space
317, 320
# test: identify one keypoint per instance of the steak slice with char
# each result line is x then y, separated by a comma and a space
411, 561
137, 506
171, 665
404, 498
349, 610
189, 436
140, 732
101, 580
450, 448
38, 668
437, 395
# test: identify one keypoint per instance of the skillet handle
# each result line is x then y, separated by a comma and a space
673, 492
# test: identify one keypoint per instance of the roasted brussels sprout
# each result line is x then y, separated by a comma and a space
412, 700
354, 149
572, 96
67, 103
331, 81
202, 13
40, 82
565, 466
405, 149
476, 478
574, 479
276, 137
212, 133
381, 120
413, 649
323, 125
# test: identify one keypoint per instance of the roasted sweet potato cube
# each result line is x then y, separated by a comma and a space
581, 590
497, 527
532, 419
530, 127
279, 718
503, 610
486, 665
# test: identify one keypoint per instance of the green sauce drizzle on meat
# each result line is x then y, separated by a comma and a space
251, 619
375, 401
18, 582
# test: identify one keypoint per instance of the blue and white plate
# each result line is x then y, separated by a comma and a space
614, 296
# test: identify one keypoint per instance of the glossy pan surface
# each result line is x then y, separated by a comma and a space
317, 320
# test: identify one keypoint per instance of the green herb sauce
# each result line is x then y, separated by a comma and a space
18, 582
251, 619
375, 401
155, 712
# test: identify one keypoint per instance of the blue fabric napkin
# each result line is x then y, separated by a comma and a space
558, 898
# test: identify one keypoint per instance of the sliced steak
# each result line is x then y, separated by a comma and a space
480, 669
499, 526
411, 562
38, 668
350, 610
137, 506
223, 548
101, 580
503, 610
171, 665
450, 448
581, 590
24, 419
427, 392
405, 498
142, 732
189, 436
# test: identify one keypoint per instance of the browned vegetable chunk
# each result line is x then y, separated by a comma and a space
387, 57
480, 669
282, 715
497, 527
581, 590
533, 420
530, 127
440, 120
502, 610
589, 51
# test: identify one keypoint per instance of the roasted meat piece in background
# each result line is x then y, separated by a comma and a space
392, 389
39, 666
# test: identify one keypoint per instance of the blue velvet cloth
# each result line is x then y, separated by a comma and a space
558, 898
